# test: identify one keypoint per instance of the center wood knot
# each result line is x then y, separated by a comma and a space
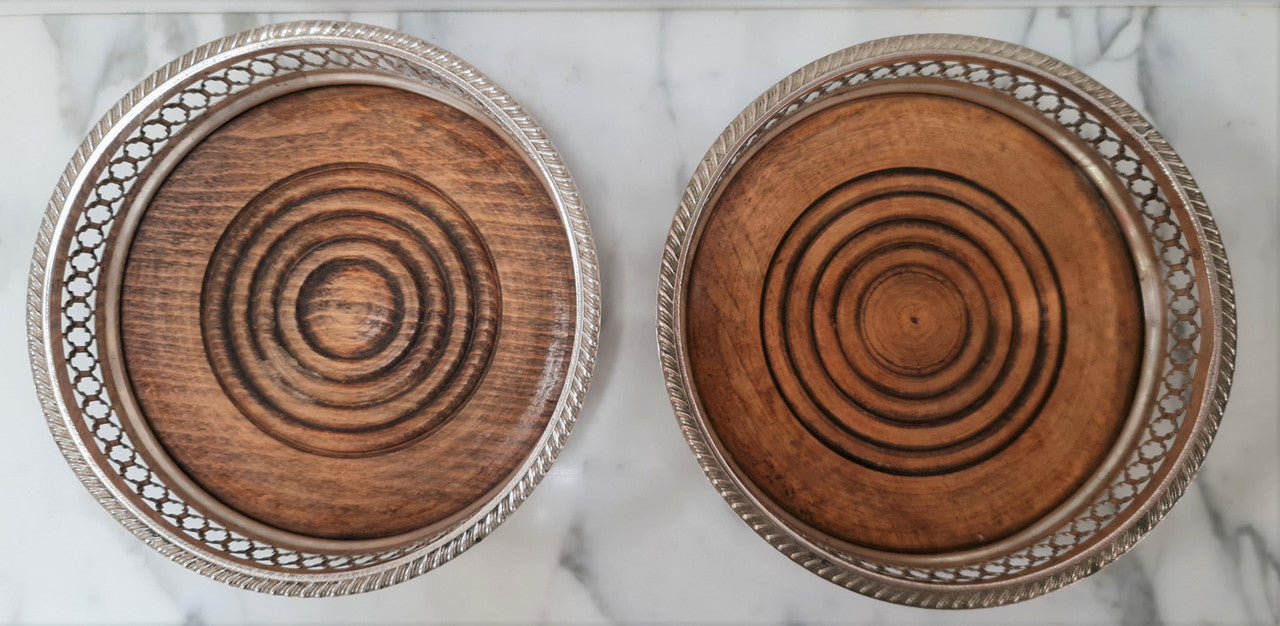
913, 320
349, 309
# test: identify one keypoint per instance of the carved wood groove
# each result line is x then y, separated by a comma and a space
350, 309
946, 311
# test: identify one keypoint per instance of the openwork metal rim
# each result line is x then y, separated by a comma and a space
164, 103
1196, 371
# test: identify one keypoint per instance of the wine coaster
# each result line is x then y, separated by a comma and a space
313, 308
946, 321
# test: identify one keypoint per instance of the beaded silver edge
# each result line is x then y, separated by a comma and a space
426, 556
1207, 415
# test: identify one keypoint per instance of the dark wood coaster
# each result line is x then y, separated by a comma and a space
318, 308
341, 309
893, 329
938, 324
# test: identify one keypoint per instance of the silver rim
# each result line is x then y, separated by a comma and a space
106, 462
1203, 325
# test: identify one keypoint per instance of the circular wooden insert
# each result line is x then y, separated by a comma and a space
348, 313
913, 321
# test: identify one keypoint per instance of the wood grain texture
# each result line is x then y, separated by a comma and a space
348, 312
913, 322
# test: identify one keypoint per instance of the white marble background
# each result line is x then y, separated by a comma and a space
626, 529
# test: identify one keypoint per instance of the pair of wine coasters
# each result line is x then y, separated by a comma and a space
314, 308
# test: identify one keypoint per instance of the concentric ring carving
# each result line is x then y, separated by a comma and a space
945, 309
343, 330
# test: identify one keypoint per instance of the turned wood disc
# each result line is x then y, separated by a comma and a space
348, 312
913, 320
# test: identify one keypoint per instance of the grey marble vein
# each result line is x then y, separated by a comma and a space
1146, 74
1140, 607
1110, 21
1253, 559
1129, 590
574, 558
119, 58
1026, 26
663, 83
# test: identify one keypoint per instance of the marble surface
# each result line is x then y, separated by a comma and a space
626, 529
